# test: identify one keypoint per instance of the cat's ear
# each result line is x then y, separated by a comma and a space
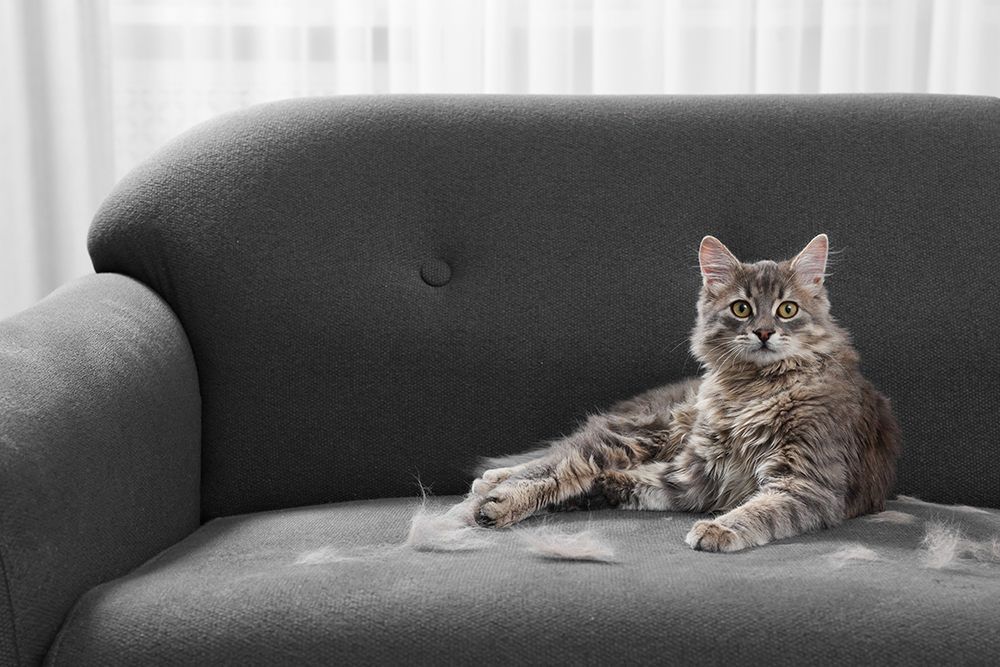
810, 264
717, 263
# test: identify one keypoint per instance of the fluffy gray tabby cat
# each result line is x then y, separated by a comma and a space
781, 434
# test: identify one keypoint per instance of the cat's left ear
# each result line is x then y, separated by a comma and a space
810, 264
717, 263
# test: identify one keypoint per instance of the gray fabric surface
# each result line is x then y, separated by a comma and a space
406, 284
99, 449
237, 593
381, 290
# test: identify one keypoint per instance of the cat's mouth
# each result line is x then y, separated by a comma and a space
767, 351
761, 352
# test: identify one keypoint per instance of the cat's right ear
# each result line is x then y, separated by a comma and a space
717, 263
811, 262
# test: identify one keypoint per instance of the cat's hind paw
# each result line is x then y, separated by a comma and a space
713, 536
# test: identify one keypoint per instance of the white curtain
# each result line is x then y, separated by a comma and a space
56, 159
90, 87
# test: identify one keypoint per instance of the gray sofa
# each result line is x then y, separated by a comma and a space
305, 312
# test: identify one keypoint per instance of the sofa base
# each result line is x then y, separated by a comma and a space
329, 584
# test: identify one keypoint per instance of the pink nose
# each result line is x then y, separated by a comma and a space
763, 334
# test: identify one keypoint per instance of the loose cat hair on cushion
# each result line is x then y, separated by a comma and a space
781, 434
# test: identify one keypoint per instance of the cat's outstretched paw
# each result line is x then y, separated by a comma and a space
493, 514
490, 479
713, 536
501, 510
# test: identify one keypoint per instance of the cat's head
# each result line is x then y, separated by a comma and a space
763, 313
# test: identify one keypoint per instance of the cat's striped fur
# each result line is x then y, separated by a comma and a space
781, 434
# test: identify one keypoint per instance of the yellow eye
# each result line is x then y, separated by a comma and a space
788, 309
741, 309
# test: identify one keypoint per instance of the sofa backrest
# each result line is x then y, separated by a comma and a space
381, 290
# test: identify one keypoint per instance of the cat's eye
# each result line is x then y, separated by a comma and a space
741, 309
788, 309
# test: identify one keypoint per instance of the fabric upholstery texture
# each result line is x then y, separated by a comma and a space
382, 290
99, 449
333, 585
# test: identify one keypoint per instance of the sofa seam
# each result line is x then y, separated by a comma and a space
52, 653
10, 606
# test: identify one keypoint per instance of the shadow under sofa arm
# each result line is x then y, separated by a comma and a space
100, 440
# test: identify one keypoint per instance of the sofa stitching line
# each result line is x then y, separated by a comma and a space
52, 654
10, 606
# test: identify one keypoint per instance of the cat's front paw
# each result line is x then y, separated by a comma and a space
493, 514
490, 479
500, 510
713, 536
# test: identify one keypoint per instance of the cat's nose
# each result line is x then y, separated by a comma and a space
763, 334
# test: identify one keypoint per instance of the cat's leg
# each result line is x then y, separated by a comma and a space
486, 482
499, 469
638, 488
543, 483
632, 434
784, 508
604, 444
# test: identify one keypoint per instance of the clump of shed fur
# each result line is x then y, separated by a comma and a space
956, 508
323, 556
553, 543
892, 516
455, 529
854, 552
945, 545
452, 530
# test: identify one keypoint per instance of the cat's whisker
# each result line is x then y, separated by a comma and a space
733, 351
683, 341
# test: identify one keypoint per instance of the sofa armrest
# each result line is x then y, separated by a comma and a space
100, 438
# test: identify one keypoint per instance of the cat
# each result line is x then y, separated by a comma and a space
781, 434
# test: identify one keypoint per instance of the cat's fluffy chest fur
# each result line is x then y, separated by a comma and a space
781, 432
741, 425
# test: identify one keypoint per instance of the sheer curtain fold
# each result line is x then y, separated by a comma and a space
91, 87
55, 140
177, 62
965, 50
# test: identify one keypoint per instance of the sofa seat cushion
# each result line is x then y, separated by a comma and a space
336, 584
